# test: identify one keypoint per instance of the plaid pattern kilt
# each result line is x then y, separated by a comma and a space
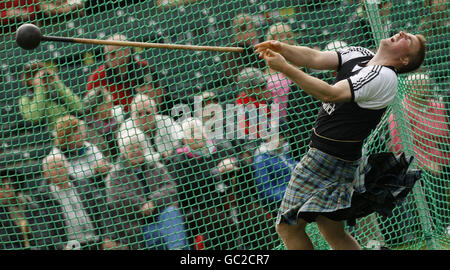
321, 184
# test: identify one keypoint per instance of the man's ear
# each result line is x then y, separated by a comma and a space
404, 60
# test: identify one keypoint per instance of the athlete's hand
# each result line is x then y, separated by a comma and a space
275, 60
262, 47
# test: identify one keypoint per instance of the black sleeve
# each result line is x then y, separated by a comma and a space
340, 60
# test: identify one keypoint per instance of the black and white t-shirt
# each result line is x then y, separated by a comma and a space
341, 128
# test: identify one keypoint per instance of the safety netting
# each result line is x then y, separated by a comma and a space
116, 147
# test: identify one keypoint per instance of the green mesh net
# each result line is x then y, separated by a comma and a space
106, 147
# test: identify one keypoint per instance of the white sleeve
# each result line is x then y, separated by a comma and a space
374, 87
349, 53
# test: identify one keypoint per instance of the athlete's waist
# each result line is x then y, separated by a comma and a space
349, 150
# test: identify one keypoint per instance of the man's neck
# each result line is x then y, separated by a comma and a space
380, 60
384, 58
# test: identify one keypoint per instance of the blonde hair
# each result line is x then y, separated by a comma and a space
227, 165
65, 126
250, 78
141, 99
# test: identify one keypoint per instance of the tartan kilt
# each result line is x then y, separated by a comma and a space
321, 184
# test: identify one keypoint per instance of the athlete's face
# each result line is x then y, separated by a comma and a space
401, 44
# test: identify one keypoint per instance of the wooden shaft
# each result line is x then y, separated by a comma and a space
143, 44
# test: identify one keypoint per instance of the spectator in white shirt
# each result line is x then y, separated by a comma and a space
80, 211
163, 134
85, 161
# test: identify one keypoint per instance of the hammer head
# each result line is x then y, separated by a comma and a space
28, 36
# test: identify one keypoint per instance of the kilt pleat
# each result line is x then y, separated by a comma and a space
320, 183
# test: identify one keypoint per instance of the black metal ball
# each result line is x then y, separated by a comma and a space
28, 36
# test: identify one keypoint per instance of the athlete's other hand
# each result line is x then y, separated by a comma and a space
275, 60
262, 47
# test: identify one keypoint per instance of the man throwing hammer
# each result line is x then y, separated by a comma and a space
321, 184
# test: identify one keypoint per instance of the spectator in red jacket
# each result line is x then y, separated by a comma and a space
123, 76
253, 85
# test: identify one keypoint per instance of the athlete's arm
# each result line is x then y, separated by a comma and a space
339, 92
301, 56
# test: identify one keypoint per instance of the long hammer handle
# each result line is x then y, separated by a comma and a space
142, 44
